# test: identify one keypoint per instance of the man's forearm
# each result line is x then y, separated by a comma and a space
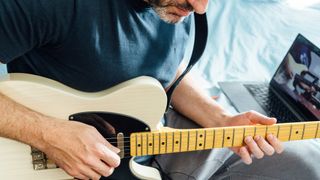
20, 123
196, 104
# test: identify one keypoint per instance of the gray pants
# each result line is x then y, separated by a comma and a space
300, 160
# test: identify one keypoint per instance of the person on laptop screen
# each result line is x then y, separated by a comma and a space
299, 76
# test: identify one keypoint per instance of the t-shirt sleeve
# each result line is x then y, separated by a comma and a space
29, 24
19, 28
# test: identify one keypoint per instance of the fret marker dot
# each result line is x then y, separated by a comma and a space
297, 132
201, 135
177, 142
162, 143
150, 144
139, 145
200, 144
228, 138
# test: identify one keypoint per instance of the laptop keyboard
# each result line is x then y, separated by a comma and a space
273, 106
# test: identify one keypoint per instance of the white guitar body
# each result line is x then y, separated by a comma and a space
142, 98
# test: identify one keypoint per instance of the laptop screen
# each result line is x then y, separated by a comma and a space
298, 76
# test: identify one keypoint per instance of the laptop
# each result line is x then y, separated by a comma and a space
293, 93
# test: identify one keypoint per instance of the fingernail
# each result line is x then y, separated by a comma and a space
247, 161
270, 136
248, 139
116, 150
257, 138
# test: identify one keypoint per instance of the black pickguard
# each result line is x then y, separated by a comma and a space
109, 125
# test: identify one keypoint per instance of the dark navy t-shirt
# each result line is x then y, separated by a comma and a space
90, 45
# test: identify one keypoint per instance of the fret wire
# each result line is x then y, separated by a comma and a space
205, 139
153, 146
159, 142
290, 132
267, 128
180, 141
278, 131
196, 146
214, 136
304, 128
223, 137
147, 144
188, 148
255, 131
166, 143
136, 144
244, 133
172, 141
317, 130
233, 132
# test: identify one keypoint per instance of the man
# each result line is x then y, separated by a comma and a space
93, 45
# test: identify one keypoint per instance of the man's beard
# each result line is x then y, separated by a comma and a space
161, 7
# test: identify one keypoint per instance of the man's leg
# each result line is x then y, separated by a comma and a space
190, 165
299, 161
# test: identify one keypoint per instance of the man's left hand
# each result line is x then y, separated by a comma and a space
255, 146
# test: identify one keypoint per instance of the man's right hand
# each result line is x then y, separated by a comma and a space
79, 149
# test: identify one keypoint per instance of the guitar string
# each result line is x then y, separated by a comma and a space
128, 137
192, 136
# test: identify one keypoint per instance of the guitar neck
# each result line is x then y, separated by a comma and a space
185, 140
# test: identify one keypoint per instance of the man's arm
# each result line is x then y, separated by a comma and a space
82, 152
196, 104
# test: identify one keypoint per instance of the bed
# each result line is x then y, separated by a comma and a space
249, 38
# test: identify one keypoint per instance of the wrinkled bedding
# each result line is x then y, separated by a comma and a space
249, 38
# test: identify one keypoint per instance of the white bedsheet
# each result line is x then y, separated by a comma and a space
249, 38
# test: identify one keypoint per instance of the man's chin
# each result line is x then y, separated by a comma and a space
172, 18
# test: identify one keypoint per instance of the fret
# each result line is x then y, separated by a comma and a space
310, 131
261, 130
163, 143
133, 145
144, 142
228, 137
278, 131
290, 132
249, 131
188, 141
233, 130
200, 139
214, 136
218, 138
180, 134
177, 141
184, 141
169, 142
297, 131
204, 139
192, 140
273, 130
156, 143
209, 139
284, 132
139, 149
150, 143
303, 131
318, 131
239, 136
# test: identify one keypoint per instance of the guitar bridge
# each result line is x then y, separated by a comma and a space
40, 160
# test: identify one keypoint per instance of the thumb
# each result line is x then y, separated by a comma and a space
257, 118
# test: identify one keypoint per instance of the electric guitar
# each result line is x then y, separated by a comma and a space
127, 115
